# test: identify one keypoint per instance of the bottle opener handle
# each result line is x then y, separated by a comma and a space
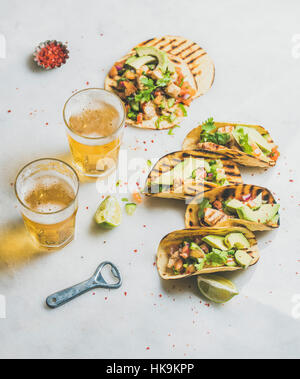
62, 297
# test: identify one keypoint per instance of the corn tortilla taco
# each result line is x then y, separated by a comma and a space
196, 251
184, 174
248, 145
245, 205
159, 79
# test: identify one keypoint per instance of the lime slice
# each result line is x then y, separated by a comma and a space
216, 288
109, 213
130, 208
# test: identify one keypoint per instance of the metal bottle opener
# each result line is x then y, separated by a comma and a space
62, 297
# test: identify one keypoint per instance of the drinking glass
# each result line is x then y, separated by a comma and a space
95, 120
47, 191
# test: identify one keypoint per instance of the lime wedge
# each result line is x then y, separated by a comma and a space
216, 288
109, 213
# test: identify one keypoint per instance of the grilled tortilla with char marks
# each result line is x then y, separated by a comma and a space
190, 188
197, 60
191, 63
192, 142
224, 193
176, 237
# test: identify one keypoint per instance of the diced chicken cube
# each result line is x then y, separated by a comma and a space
213, 216
130, 75
200, 173
130, 88
113, 72
156, 74
149, 110
226, 129
208, 146
173, 90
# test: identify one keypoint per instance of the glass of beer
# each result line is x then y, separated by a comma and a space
95, 120
47, 192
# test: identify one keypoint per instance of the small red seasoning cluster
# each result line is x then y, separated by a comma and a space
51, 54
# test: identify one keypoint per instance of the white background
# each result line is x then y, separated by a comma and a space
257, 81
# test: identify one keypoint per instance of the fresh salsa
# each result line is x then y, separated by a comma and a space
238, 137
151, 87
195, 254
194, 169
247, 208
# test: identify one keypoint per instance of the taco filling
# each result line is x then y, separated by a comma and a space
238, 137
195, 254
246, 208
193, 170
151, 87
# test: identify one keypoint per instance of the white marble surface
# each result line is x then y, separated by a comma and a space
257, 81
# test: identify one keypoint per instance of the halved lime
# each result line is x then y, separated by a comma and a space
109, 213
216, 288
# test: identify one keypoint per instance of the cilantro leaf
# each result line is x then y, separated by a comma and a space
181, 106
217, 257
204, 204
208, 125
243, 140
170, 133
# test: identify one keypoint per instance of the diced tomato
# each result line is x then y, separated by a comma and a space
137, 197
185, 252
275, 154
139, 118
180, 76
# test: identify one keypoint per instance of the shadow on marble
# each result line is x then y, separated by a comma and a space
17, 247
160, 203
33, 66
188, 286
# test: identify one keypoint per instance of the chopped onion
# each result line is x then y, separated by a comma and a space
210, 174
246, 197
118, 67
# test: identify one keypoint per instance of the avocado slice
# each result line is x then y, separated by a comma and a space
274, 220
236, 240
138, 62
231, 263
255, 136
183, 170
233, 205
257, 202
264, 214
242, 258
207, 167
196, 251
163, 60
215, 241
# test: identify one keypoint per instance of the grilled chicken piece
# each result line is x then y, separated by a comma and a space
173, 90
173, 258
142, 69
226, 129
130, 75
208, 146
200, 173
213, 216
113, 72
130, 88
149, 110
156, 74
217, 204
